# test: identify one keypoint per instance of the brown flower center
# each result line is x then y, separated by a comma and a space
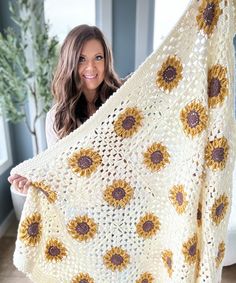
118, 193
144, 281
156, 157
214, 87
83, 281
193, 118
220, 209
117, 259
199, 214
209, 13
148, 226
54, 251
169, 262
85, 162
33, 229
169, 74
192, 250
179, 198
218, 154
82, 228
128, 122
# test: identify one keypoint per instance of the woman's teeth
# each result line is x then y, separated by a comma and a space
90, 76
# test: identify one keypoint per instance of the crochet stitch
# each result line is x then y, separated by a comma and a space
141, 192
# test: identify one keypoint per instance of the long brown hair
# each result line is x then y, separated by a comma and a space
71, 109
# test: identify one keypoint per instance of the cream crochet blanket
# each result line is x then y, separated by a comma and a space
141, 192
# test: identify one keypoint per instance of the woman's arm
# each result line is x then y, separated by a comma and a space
20, 183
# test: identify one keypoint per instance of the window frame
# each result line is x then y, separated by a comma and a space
6, 159
103, 18
144, 30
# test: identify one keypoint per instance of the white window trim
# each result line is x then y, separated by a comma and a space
6, 160
144, 30
104, 18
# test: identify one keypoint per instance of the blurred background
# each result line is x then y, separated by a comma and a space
133, 28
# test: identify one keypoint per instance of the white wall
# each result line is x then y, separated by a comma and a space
167, 14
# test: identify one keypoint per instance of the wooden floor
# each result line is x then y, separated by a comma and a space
9, 274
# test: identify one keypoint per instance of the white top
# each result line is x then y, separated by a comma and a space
51, 135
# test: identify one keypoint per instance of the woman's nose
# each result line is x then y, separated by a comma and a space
90, 64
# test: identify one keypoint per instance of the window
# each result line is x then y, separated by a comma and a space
5, 151
167, 14
65, 14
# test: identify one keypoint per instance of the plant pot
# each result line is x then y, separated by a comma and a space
18, 200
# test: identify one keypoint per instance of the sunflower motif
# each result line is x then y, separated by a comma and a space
85, 161
145, 278
208, 15
194, 118
55, 250
128, 122
219, 209
216, 153
82, 228
170, 74
119, 193
156, 157
148, 225
189, 250
199, 215
217, 85
46, 190
31, 229
220, 254
167, 257
178, 198
82, 278
116, 259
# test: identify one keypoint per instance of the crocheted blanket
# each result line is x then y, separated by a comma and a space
141, 192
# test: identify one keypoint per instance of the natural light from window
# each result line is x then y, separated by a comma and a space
63, 15
167, 14
5, 151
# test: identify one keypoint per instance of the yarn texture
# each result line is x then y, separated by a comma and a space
141, 192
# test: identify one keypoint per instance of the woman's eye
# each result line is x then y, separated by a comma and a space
81, 59
99, 57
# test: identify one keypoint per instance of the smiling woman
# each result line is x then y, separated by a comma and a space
84, 79
91, 69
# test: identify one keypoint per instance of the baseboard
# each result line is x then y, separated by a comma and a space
6, 223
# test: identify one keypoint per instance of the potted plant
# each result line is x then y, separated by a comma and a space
27, 59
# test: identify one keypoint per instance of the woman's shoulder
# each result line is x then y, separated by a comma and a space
52, 110
50, 116
51, 135
51, 113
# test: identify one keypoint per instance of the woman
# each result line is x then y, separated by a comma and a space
84, 79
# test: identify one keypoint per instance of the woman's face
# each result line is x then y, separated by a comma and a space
91, 66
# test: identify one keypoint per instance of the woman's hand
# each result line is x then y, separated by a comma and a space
21, 184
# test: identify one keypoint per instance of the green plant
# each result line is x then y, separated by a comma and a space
27, 59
